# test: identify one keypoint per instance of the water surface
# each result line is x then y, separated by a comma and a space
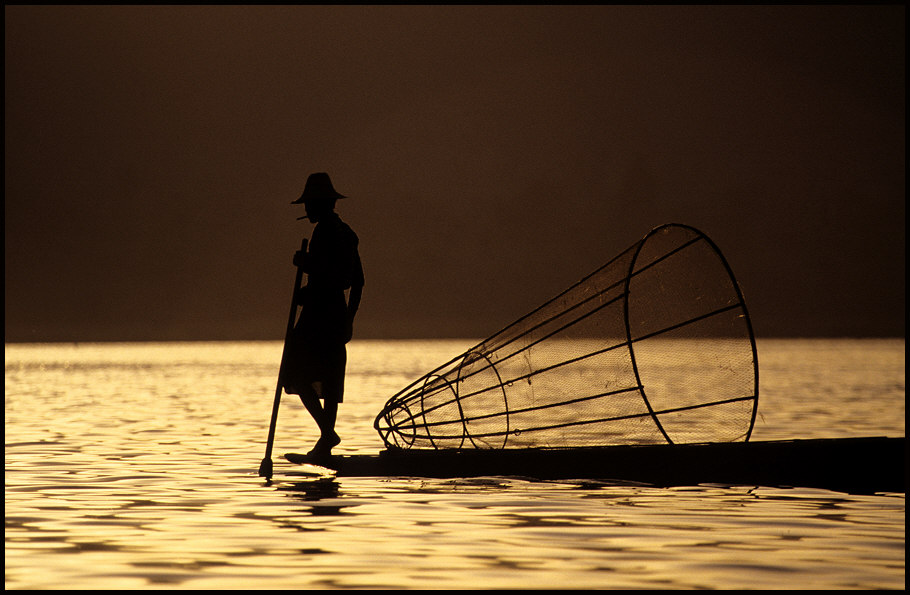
134, 466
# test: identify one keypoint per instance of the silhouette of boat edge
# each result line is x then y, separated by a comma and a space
854, 465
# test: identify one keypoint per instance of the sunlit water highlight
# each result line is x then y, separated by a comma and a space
134, 466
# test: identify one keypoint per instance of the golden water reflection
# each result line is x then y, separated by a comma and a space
135, 467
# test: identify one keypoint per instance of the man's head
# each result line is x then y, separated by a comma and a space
317, 208
318, 196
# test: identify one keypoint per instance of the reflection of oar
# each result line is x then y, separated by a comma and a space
265, 468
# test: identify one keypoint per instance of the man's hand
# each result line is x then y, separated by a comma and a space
348, 329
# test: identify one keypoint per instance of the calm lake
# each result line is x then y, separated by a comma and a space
134, 466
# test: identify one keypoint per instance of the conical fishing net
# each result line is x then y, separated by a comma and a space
654, 347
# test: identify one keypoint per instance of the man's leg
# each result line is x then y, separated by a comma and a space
310, 400
324, 416
329, 414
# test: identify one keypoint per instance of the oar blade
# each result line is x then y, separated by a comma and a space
265, 468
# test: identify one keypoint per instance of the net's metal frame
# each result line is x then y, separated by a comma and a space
643, 350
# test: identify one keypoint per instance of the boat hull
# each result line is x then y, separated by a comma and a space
854, 465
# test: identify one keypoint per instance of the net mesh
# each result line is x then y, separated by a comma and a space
654, 347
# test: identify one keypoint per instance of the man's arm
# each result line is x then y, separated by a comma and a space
354, 296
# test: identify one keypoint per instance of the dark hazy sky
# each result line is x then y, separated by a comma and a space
492, 156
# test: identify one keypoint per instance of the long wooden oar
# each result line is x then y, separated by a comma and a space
265, 468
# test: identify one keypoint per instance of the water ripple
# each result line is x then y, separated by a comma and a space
138, 471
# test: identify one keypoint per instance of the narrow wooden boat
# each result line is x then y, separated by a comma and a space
854, 465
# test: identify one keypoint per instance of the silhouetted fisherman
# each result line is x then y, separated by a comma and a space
316, 357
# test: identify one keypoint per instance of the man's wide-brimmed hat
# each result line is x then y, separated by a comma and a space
318, 187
